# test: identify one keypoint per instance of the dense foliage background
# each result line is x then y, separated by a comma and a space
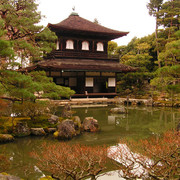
157, 56
23, 41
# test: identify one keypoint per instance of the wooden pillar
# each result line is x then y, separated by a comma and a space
93, 46
77, 45
116, 82
61, 44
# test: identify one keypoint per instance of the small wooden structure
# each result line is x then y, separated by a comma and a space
80, 60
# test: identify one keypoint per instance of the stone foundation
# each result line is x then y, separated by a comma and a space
116, 100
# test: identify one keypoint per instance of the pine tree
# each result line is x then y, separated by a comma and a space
20, 23
169, 16
154, 7
5, 46
169, 19
23, 87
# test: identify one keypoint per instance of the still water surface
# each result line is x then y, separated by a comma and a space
139, 123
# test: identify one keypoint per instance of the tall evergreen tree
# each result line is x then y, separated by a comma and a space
170, 55
169, 19
138, 54
24, 86
169, 16
5, 46
154, 7
20, 23
112, 46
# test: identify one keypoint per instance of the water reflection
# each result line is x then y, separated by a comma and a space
139, 123
123, 155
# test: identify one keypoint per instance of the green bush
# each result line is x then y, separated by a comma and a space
41, 121
136, 83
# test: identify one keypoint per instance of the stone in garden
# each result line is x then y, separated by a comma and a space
90, 124
53, 119
149, 102
6, 138
119, 110
50, 130
77, 122
66, 129
21, 129
4, 176
38, 131
66, 112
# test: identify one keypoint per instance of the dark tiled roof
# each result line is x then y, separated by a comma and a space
80, 65
75, 23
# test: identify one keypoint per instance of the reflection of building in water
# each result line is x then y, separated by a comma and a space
116, 119
86, 110
111, 120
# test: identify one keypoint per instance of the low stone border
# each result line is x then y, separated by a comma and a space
4, 176
6, 138
121, 101
38, 131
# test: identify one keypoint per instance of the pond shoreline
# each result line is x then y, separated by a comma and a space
116, 100
139, 123
100, 102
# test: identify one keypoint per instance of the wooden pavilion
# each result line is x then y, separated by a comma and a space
81, 60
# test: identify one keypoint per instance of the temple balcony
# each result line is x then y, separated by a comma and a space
57, 54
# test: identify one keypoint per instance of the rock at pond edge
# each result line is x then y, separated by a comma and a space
53, 119
90, 124
21, 129
38, 131
66, 129
4, 176
6, 138
119, 110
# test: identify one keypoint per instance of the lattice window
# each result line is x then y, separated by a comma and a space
111, 82
85, 45
89, 82
69, 44
100, 46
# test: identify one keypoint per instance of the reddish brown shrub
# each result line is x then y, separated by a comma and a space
71, 161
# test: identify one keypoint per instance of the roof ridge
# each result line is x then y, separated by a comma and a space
79, 24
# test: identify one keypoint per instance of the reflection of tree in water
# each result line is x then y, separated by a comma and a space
139, 123
145, 121
90, 136
22, 164
168, 119
120, 119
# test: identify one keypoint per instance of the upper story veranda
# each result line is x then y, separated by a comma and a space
80, 38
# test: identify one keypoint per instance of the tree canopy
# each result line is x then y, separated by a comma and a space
155, 51
21, 29
31, 86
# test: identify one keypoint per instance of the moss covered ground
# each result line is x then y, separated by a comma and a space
7, 123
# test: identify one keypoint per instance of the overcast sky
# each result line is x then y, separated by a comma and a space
122, 15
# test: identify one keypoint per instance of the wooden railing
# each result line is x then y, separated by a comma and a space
80, 54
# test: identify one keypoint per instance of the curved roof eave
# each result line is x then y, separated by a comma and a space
76, 24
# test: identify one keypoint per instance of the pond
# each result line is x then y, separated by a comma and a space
139, 123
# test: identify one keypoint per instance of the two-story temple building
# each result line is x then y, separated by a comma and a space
81, 60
